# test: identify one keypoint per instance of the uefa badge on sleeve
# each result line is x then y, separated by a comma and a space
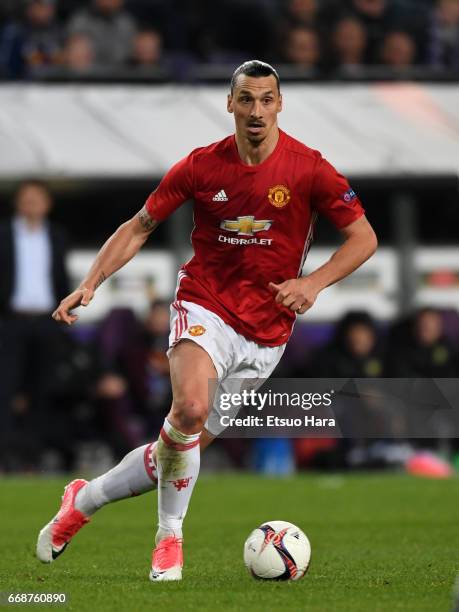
349, 196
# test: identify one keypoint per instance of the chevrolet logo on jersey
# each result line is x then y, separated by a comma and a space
246, 226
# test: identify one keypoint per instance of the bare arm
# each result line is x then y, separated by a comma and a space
359, 245
115, 253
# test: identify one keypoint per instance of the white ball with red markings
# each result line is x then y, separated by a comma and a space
277, 550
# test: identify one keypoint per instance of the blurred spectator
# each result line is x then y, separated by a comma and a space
109, 27
372, 9
32, 43
377, 19
381, 16
354, 351
349, 43
134, 388
443, 36
302, 13
175, 19
147, 49
302, 48
398, 50
33, 280
78, 55
236, 30
374, 15
419, 348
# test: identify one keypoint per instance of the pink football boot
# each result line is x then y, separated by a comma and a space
167, 560
56, 535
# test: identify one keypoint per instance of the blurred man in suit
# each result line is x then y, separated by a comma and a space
33, 276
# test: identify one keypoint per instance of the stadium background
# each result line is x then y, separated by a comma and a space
102, 127
101, 112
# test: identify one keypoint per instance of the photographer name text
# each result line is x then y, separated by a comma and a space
275, 421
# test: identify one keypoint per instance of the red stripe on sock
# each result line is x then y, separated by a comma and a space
176, 445
148, 462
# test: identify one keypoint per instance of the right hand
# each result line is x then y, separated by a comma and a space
80, 297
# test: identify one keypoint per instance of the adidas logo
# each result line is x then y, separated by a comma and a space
220, 196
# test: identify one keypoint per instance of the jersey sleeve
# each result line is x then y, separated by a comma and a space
333, 197
175, 188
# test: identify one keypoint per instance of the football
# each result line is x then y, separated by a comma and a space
277, 550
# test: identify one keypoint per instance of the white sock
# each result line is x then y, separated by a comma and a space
178, 459
134, 475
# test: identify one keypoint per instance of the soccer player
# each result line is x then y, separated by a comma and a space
256, 196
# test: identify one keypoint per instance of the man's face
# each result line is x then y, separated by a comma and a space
360, 340
448, 12
398, 50
350, 36
255, 102
147, 48
372, 8
79, 53
302, 47
108, 6
40, 13
303, 10
428, 328
33, 203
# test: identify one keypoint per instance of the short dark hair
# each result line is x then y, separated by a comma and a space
32, 182
255, 68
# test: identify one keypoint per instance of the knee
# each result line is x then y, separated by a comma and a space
188, 415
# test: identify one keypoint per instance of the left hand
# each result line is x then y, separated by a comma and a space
296, 294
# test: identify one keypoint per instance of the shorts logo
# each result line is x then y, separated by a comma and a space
349, 196
246, 226
196, 330
279, 196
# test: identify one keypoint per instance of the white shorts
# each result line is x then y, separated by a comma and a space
233, 355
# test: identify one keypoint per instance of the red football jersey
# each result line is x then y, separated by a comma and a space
253, 225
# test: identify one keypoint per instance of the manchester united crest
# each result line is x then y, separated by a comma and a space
196, 330
279, 196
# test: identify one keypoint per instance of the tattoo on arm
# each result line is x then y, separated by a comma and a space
100, 280
146, 221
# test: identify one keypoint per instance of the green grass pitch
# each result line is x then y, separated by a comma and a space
379, 543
